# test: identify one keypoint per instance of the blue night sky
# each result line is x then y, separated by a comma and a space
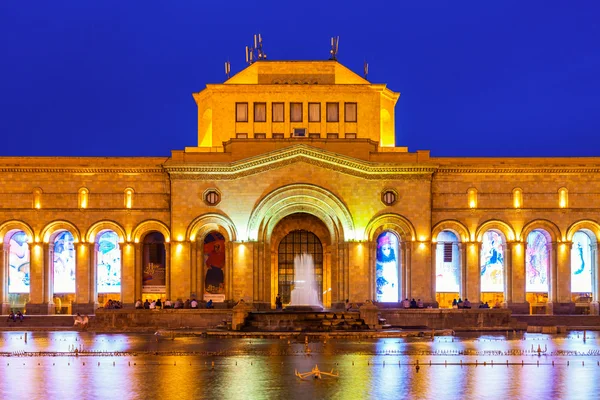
478, 78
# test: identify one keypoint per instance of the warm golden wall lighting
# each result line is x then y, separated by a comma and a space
128, 198
563, 197
517, 198
83, 197
37, 198
472, 198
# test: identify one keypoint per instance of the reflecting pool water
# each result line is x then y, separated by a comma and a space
78, 365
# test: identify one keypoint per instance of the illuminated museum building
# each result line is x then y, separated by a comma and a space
299, 157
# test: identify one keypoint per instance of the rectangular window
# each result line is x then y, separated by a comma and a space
333, 112
278, 136
241, 135
332, 136
260, 112
314, 112
278, 115
350, 135
296, 112
260, 136
241, 112
447, 252
350, 112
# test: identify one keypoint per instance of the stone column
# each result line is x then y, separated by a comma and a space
194, 270
433, 286
472, 281
138, 259
4, 271
508, 276
463, 251
518, 300
406, 270
41, 289
560, 280
129, 282
85, 279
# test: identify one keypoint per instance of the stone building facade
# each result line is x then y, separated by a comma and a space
299, 157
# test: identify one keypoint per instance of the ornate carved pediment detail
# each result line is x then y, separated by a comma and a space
296, 154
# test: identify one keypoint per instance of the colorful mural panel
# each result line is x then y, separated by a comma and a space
386, 268
536, 263
447, 276
492, 262
581, 263
108, 263
214, 262
18, 259
64, 263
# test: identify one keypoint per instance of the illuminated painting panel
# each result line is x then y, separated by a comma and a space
492, 262
387, 268
581, 263
64, 263
536, 262
108, 263
447, 263
154, 264
214, 262
18, 259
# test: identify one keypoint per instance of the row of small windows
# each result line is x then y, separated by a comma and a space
563, 198
303, 134
83, 198
296, 112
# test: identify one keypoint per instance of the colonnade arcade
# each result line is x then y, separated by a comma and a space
537, 269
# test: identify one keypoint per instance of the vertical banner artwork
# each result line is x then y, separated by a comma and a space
64, 263
581, 263
18, 259
108, 263
154, 268
447, 263
214, 264
386, 268
492, 262
536, 263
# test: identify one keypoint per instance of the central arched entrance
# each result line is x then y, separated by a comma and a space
295, 243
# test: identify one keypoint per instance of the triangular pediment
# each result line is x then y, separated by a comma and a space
296, 154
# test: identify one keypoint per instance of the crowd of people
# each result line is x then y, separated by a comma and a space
113, 304
459, 304
157, 304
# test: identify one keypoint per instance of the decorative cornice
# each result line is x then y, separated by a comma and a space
517, 170
295, 154
82, 170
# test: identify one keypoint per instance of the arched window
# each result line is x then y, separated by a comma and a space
563, 198
64, 263
214, 264
472, 197
492, 262
37, 198
447, 268
386, 269
293, 244
82, 198
18, 261
582, 256
537, 261
128, 200
154, 265
517, 198
108, 267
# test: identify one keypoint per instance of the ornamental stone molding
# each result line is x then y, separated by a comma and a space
295, 154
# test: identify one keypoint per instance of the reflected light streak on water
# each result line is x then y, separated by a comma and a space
264, 368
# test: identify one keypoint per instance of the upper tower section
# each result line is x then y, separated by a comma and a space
295, 99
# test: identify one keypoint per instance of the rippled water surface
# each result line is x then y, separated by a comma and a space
140, 366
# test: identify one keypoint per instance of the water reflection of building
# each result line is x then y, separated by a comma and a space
299, 156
